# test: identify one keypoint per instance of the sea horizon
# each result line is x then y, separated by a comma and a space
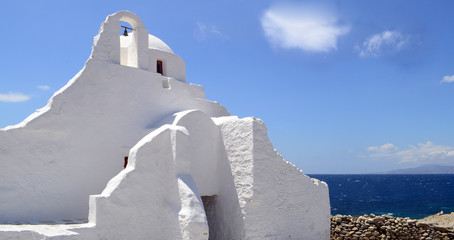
400, 195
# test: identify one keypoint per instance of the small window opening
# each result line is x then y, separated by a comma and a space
159, 67
209, 203
126, 162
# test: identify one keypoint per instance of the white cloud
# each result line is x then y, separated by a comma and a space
14, 97
387, 42
422, 153
201, 32
43, 87
383, 148
302, 27
448, 79
216, 32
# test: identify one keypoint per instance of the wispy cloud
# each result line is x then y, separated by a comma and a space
387, 42
422, 153
302, 27
387, 147
448, 79
14, 97
202, 31
43, 87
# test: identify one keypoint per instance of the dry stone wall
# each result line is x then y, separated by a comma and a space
385, 227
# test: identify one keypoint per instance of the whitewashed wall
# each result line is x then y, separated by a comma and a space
72, 147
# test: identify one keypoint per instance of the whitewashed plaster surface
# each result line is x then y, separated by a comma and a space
54, 166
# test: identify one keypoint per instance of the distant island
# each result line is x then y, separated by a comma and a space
424, 169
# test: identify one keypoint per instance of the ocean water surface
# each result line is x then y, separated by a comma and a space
414, 196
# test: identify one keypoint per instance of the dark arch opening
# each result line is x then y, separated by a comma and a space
209, 204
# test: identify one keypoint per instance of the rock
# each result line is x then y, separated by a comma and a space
422, 225
386, 227
441, 229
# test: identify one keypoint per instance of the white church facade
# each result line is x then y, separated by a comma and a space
127, 149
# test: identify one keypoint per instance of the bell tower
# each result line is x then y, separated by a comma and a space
107, 42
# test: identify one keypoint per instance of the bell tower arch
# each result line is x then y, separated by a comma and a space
107, 42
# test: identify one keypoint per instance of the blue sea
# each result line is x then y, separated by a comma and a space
414, 196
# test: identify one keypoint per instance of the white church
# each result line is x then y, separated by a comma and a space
128, 149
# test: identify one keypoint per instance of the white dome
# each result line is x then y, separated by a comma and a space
156, 43
153, 42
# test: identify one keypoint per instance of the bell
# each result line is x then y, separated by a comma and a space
125, 33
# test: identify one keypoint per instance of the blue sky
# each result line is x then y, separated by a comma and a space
343, 86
